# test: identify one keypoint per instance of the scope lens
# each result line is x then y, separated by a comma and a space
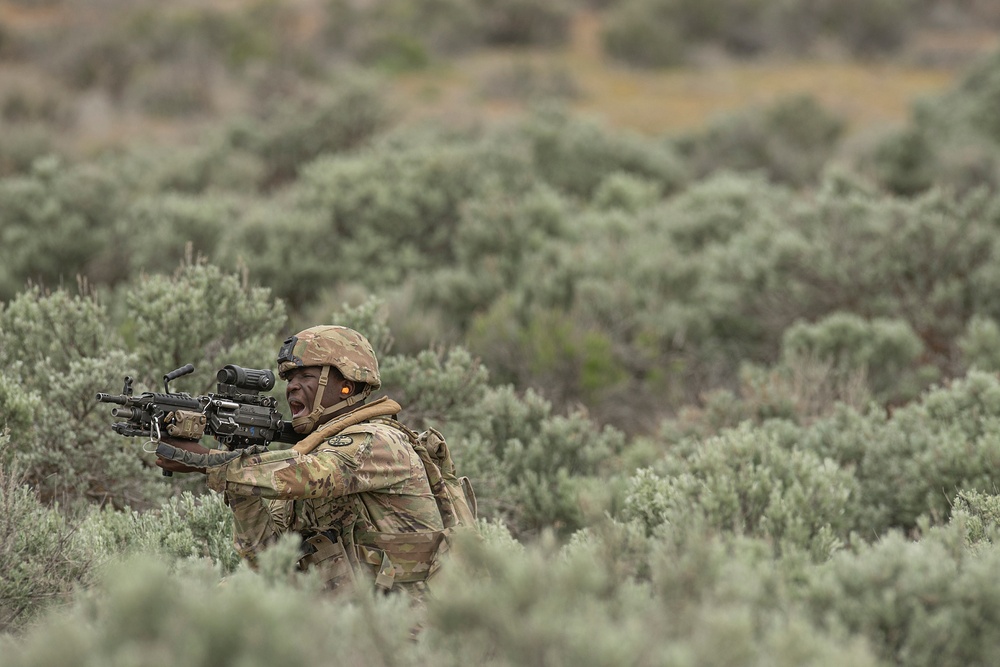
251, 379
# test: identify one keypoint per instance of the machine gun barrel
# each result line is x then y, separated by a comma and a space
120, 399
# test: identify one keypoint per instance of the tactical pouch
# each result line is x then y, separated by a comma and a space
402, 558
325, 552
186, 424
454, 495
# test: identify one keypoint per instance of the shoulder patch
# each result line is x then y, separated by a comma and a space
340, 441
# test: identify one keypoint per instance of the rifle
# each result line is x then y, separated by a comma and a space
236, 415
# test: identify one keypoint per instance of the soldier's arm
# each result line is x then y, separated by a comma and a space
257, 523
343, 465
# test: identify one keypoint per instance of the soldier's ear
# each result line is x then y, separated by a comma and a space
347, 389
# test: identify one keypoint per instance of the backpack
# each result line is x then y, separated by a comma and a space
456, 501
455, 497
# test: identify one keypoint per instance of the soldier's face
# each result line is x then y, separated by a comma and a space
303, 383
301, 390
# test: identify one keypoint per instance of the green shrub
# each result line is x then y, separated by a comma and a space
147, 611
57, 352
951, 142
395, 52
411, 194
21, 149
286, 134
434, 387
626, 192
203, 316
658, 33
22, 104
129, 41
496, 236
564, 361
54, 223
526, 81
574, 155
276, 242
980, 344
662, 33
531, 467
211, 165
714, 210
641, 33
900, 469
913, 464
185, 526
523, 22
40, 561
976, 93
395, 34
174, 91
871, 27
751, 481
791, 141
642, 300
706, 601
398, 35
979, 514
801, 388
160, 231
905, 162
101, 58
917, 603
886, 351
679, 296
935, 253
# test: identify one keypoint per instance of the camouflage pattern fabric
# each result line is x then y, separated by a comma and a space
364, 479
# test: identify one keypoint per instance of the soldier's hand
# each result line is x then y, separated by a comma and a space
192, 446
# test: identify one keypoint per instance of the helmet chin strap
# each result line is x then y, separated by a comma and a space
307, 423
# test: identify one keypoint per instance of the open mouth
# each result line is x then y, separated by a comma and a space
298, 409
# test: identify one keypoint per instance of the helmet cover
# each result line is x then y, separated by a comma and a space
328, 345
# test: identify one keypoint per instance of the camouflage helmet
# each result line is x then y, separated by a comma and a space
345, 349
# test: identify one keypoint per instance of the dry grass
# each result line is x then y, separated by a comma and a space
868, 96
671, 100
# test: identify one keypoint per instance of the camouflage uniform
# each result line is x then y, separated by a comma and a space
354, 488
362, 480
369, 497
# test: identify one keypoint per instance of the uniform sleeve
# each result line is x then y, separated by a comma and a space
343, 465
256, 523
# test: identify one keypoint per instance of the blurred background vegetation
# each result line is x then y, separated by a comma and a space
702, 293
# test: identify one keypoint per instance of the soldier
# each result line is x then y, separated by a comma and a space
355, 488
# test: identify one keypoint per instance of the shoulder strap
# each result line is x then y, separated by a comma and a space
382, 407
455, 497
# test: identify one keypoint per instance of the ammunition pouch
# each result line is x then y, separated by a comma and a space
401, 558
325, 552
387, 559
